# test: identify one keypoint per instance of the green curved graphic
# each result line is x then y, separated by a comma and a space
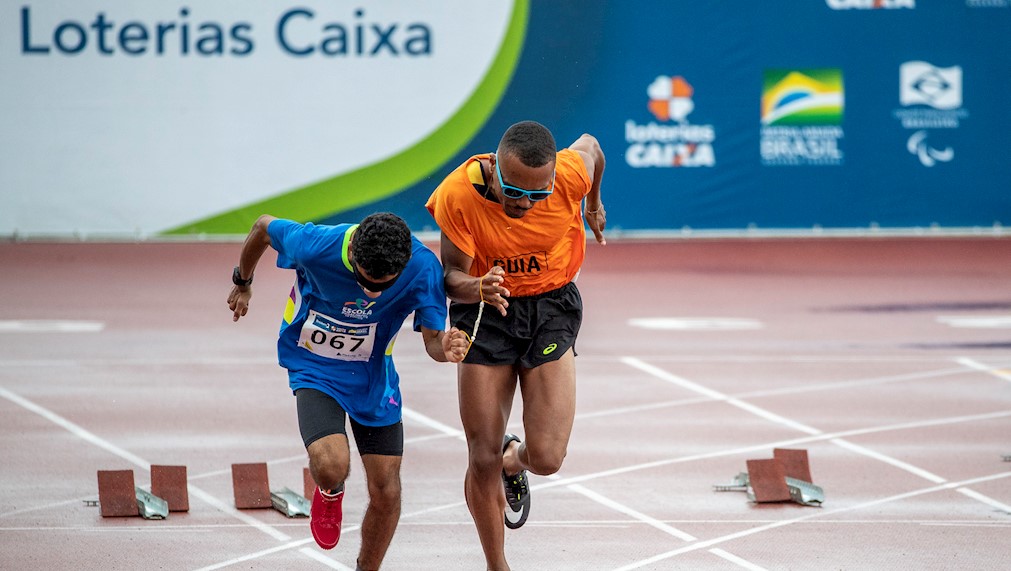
387, 177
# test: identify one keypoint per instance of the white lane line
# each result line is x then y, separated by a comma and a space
696, 323
915, 470
735, 559
973, 364
258, 554
716, 395
416, 416
926, 475
766, 446
650, 521
985, 499
976, 321
729, 537
807, 388
136, 461
50, 326
313, 554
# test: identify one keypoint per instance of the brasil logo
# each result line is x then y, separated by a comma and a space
801, 117
808, 97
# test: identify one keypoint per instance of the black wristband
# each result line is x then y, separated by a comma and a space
237, 278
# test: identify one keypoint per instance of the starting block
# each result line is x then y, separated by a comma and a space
1007, 457
169, 482
785, 477
290, 503
250, 486
119, 497
116, 495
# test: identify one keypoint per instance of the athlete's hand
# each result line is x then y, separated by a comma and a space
455, 344
238, 301
492, 290
597, 220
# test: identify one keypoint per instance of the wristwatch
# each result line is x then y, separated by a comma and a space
237, 278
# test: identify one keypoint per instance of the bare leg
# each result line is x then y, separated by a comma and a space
549, 407
330, 461
486, 395
382, 473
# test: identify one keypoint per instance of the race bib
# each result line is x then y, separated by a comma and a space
325, 336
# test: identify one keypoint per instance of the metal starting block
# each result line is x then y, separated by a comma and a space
290, 503
1007, 457
150, 505
775, 480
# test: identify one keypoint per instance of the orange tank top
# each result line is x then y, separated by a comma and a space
540, 252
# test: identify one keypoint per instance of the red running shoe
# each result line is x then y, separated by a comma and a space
326, 516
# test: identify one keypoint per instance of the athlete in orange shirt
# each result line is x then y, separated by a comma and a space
513, 238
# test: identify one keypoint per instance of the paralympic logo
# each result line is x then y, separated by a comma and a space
929, 156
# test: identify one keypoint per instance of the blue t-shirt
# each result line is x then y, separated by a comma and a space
333, 337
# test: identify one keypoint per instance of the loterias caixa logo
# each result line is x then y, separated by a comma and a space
931, 99
801, 116
671, 140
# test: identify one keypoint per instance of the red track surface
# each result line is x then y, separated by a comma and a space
856, 358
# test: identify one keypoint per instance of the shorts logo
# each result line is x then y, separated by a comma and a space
550, 349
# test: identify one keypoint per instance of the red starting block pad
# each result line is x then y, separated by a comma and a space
169, 483
795, 463
250, 486
117, 496
767, 479
308, 484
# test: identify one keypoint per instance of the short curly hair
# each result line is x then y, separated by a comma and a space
382, 244
529, 141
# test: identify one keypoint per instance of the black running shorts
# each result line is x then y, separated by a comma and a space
537, 329
320, 415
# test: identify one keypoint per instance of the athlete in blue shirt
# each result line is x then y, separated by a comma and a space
354, 286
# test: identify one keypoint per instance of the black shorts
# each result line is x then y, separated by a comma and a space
320, 415
537, 329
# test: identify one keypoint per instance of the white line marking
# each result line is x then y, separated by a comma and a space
696, 323
977, 322
722, 539
985, 499
258, 554
735, 559
416, 416
973, 364
313, 554
716, 395
137, 461
49, 326
929, 476
915, 470
653, 522
766, 446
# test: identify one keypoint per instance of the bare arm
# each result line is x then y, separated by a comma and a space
256, 243
593, 157
445, 346
465, 288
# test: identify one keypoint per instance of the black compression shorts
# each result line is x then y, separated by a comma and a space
320, 415
537, 329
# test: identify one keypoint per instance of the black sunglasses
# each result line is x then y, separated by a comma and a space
370, 285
